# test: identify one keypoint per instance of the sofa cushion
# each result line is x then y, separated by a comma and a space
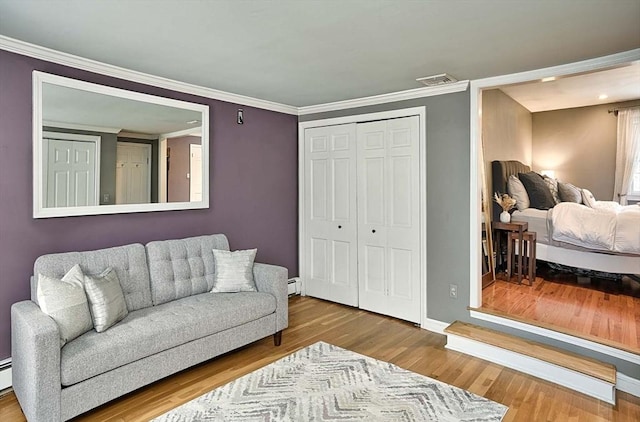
129, 263
152, 330
182, 267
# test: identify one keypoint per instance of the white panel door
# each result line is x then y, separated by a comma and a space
195, 172
389, 217
330, 214
133, 173
71, 173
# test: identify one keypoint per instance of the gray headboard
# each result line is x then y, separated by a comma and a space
500, 172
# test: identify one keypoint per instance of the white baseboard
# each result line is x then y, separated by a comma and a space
627, 384
5, 375
435, 326
574, 380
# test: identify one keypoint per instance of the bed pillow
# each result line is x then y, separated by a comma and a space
234, 271
588, 198
66, 303
569, 193
553, 188
539, 194
106, 299
517, 191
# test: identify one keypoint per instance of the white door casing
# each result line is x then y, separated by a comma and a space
388, 217
330, 214
133, 173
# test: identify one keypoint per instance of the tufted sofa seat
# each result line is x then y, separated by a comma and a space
174, 322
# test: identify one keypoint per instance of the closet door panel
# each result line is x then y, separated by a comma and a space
372, 215
388, 211
403, 231
330, 270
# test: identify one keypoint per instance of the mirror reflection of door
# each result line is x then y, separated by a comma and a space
71, 176
184, 180
133, 173
195, 172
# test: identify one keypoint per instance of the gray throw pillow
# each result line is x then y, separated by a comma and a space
234, 271
569, 193
106, 299
539, 194
66, 302
516, 190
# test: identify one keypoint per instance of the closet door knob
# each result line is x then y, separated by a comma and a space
373, 231
339, 227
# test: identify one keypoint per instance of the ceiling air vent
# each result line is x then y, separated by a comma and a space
437, 80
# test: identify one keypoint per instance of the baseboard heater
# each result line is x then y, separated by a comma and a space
5, 375
294, 286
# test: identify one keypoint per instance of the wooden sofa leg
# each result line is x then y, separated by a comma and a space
277, 338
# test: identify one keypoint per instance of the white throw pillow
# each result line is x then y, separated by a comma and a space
517, 191
106, 299
588, 199
234, 271
66, 302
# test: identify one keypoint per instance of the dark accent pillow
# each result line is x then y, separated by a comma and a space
538, 191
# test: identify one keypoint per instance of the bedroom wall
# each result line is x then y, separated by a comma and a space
579, 144
506, 130
253, 187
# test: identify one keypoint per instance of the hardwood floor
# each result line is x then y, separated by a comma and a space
598, 315
384, 338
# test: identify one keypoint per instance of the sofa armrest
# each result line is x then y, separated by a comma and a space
35, 362
273, 279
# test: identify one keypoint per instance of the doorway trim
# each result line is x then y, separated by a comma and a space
476, 87
421, 112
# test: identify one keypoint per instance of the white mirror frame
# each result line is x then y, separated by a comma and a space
39, 207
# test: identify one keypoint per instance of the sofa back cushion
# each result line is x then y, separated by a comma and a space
129, 263
182, 267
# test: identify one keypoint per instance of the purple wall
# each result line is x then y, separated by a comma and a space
253, 187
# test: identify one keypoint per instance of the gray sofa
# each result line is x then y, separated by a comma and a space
174, 322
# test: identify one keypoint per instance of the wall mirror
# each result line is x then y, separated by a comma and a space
103, 150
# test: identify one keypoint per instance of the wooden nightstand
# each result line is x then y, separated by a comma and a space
514, 227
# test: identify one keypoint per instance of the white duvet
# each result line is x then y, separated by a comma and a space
608, 226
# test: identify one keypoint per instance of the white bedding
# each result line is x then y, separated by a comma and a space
608, 226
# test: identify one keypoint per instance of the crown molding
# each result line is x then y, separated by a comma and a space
54, 56
385, 98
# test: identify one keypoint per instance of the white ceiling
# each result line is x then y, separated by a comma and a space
303, 52
618, 84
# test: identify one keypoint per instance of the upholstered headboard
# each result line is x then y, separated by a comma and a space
500, 172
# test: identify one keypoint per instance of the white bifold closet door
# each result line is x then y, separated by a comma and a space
362, 215
389, 217
330, 214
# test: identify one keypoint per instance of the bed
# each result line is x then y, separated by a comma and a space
557, 244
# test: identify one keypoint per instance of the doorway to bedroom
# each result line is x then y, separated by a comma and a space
560, 126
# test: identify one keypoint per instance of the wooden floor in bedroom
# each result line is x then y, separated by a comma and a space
605, 311
384, 338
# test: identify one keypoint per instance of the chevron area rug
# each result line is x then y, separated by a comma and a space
323, 382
